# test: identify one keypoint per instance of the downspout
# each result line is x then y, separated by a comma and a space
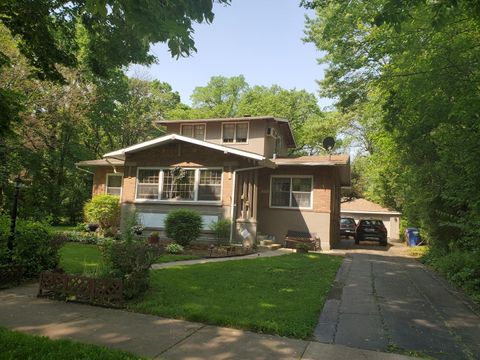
233, 205
113, 166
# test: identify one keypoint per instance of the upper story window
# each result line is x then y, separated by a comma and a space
114, 184
179, 184
235, 132
196, 131
291, 192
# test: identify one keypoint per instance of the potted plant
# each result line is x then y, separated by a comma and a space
302, 248
137, 229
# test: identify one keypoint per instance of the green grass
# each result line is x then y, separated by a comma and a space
170, 258
418, 251
80, 258
15, 345
279, 295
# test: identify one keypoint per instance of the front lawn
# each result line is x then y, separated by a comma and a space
78, 258
15, 345
279, 295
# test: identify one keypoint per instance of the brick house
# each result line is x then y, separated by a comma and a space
235, 168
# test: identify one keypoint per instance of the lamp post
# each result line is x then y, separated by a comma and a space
13, 217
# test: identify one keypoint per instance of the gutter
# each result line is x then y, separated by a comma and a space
84, 170
233, 205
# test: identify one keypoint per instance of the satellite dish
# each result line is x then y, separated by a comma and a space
328, 143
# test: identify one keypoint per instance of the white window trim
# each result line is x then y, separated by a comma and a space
193, 124
106, 182
175, 201
290, 192
235, 132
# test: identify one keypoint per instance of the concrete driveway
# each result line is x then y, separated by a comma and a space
385, 301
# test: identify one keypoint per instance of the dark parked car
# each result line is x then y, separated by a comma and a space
371, 229
347, 227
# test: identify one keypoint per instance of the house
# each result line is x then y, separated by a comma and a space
235, 168
364, 209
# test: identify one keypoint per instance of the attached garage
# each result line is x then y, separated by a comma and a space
364, 209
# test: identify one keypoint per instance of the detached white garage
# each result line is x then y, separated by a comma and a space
364, 209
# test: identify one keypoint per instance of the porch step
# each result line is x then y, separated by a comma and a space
269, 247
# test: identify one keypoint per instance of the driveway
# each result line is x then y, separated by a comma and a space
383, 300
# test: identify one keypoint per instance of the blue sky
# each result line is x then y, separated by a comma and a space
261, 39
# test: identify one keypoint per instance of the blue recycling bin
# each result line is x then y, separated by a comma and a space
412, 236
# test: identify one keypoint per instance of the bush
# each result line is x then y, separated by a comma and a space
460, 267
221, 229
80, 237
103, 210
183, 226
130, 261
35, 247
174, 248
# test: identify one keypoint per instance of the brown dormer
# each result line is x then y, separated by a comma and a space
263, 135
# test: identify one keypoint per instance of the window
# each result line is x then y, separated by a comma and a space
235, 132
179, 184
147, 184
210, 185
114, 184
295, 192
196, 131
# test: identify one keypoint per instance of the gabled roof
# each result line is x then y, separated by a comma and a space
365, 206
120, 154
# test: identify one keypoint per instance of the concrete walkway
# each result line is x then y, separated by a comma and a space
257, 255
156, 337
382, 301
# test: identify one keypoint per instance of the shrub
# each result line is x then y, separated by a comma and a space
80, 237
221, 229
460, 267
34, 247
183, 226
174, 248
105, 211
131, 261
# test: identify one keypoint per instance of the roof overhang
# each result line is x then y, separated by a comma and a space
370, 212
101, 162
120, 154
342, 165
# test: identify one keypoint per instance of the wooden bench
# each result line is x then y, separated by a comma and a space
294, 237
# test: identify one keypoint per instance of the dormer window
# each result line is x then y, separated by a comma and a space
235, 133
196, 131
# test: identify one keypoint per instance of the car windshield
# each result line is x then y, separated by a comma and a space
372, 223
347, 221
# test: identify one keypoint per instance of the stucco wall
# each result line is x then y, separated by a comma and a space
213, 134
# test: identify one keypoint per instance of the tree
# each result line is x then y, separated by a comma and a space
96, 35
410, 77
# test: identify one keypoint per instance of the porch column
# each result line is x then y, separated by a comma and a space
246, 214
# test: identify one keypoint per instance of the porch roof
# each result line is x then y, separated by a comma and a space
342, 162
101, 162
120, 154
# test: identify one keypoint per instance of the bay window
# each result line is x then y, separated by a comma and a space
179, 184
291, 191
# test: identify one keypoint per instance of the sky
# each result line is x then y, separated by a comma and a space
260, 39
